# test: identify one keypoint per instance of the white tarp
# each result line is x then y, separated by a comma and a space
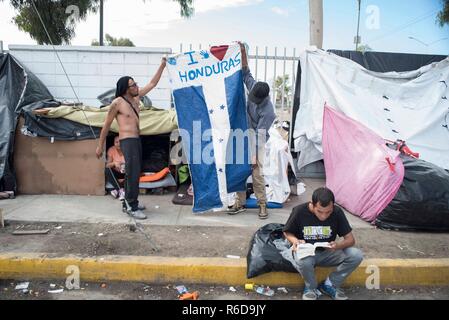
411, 106
275, 166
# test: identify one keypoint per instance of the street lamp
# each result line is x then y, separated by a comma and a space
357, 39
428, 44
101, 23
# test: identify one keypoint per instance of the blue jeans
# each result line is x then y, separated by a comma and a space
346, 261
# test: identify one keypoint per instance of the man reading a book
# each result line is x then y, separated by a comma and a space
318, 223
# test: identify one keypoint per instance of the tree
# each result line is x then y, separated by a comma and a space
61, 16
115, 42
443, 15
60, 25
281, 84
364, 48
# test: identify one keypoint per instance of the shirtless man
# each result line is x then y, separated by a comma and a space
125, 109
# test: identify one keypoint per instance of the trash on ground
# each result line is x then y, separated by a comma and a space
190, 296
22, 286
249, 286
58, 227
266, 291
229, 256
100, 234
30, 232
52, 285
181, 289
56, 291
282, 289
103, 285
232, 289
156, 207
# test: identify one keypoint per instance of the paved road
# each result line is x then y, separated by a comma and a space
38, 290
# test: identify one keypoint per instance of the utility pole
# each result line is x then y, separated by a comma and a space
316, 23
101, 23
357, 38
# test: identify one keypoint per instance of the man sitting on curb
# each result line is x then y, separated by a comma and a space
321, 221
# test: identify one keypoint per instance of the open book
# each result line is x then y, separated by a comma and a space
308, 249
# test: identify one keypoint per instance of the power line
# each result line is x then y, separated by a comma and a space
404, 26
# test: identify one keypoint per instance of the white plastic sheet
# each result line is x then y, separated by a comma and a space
411, 106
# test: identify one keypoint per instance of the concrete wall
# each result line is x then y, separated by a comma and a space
93, 70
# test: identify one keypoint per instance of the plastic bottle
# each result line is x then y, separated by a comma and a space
266, 291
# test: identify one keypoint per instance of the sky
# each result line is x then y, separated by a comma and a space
385, 25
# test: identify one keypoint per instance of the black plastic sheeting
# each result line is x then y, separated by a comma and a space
386, 62
422, 202
374, 61
263, 256
55, 128
18, 89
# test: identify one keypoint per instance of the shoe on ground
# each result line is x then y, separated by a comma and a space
236, 209
263, 213
121, 195
331, 291
114, 193
137, 214
309, 294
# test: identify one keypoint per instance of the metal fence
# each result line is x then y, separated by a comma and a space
269, 65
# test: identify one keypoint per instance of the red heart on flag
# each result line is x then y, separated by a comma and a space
219, 51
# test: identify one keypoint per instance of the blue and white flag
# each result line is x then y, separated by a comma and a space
210, 104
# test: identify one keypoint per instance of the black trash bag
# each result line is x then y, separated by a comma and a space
263, 256
107, 97
422, 202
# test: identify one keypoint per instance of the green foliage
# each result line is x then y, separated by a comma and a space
115, 42
61, 16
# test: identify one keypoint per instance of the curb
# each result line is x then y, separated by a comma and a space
219, 271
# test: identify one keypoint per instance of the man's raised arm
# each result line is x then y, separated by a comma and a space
153, 83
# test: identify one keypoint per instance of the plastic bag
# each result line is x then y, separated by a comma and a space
263, 256
422, 202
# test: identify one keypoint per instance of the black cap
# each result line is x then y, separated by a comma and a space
259, 92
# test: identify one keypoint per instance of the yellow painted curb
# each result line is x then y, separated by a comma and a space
408, 272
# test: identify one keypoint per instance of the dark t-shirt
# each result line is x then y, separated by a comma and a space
304, 225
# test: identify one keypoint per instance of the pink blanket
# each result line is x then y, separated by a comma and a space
361, 170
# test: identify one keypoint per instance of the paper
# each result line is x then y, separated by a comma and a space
307, 249
22, 286
56, 291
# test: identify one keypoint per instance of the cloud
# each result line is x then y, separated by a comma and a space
280, 11
160, 14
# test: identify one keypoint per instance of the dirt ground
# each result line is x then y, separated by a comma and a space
196, 241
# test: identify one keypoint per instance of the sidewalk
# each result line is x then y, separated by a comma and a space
160, 211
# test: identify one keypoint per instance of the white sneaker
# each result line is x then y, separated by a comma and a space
114, 194
121, 194
137, 214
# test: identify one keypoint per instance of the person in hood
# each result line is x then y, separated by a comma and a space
260, 114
